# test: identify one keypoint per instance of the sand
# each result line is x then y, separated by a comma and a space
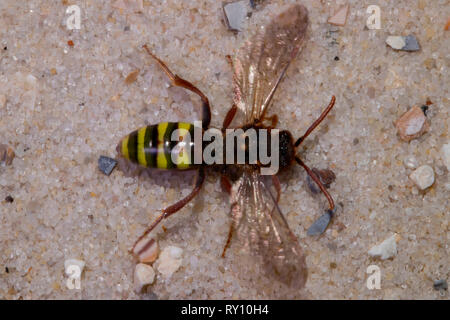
64, 102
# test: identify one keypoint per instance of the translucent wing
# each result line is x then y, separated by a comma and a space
261, 228
263, 60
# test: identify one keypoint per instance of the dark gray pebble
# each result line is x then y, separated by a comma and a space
235, 13
440, 285
321, 224
411, 43
106, 164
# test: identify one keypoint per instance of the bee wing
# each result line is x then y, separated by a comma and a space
261, 228
263, 60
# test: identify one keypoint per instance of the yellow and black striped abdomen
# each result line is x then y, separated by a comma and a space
152, 146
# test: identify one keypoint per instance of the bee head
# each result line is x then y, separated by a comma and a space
287, 149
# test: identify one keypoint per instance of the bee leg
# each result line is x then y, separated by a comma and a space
230, 61
317, 181
229, 117
277, 185
273, 119
167, 212
227, 244
316, 123
179, 82
226, 186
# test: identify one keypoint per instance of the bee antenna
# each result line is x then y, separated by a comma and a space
316, 179
317, 122
299, 140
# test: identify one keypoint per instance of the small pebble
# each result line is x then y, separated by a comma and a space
106, 164
411, 44
143, 276
321, 224
132, 76
340, 16
146, 250
408, 43
446, 155
170, 260
440, 285
411, 162
73, 262
385, 250
412, 124
235, 13
423, 177
396, 42
6, 154
9, 199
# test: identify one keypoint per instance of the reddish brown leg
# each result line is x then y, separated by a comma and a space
277, 185
316, 123
226, 185
227, 244
177, 81
273, 119
167, 212
317, 181
229, 117
230, 61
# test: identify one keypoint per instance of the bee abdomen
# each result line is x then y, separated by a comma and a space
152, 146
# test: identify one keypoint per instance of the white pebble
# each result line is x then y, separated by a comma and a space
143, 276
386, 249
170, 260
411, 162
30, 82
69, 264
396, 42
446, 155
423, 177
412, 124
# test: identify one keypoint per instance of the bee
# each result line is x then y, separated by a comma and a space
256, 218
